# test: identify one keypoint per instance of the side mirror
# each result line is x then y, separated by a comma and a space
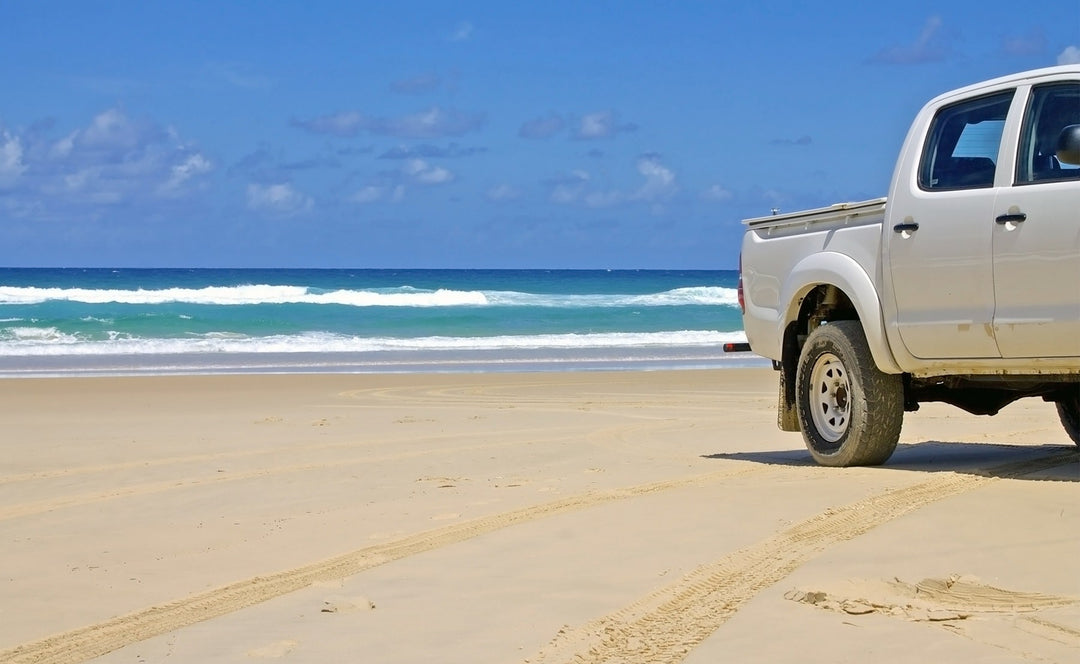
1068, 145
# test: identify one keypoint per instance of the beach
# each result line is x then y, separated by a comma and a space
580, 516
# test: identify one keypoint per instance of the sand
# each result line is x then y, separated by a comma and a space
551, 517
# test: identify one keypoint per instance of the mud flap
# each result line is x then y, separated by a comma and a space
787, 417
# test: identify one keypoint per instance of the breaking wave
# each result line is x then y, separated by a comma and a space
395, 297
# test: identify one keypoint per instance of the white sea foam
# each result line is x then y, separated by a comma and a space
399, 297
42, 342
701, 295
46, 337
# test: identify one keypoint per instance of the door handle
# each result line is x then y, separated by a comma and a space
908, 226
1012, 217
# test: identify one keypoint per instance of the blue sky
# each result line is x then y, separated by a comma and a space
465, 134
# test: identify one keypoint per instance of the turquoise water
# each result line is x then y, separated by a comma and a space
72, 321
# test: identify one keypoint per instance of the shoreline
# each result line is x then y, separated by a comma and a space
494, 517
412, 362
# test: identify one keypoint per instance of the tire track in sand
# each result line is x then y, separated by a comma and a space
92, 641
664, 626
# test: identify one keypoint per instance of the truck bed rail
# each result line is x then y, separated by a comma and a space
837, 212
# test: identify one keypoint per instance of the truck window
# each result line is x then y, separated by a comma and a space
1050, 109
962, 148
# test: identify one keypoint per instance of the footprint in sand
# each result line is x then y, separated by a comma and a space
274, 650
1034, 625
338, 604
953, 598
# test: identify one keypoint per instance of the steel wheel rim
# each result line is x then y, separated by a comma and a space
830, 397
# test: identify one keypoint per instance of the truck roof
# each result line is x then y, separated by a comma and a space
1031, 75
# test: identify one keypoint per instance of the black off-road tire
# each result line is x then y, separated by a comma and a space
1069, 412
850, 411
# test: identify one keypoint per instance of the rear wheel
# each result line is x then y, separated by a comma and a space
850, 412
1069, 411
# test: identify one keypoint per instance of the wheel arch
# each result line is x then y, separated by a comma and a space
831, 286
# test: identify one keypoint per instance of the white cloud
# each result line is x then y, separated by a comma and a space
376, 193
112, 130
369, 194
716, 193
574, 188
930, 46
192, 167
11, 159
602, 199
503, 192
346, 123
601, 124
62, 148
659, 179
279, 199
434, 122
596, 125
566, 193
1070, 56
424, 173
427, 150
76, 181
112, 160
568, 188
1031, 43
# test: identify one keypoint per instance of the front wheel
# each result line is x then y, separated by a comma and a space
1069, 411
850, 412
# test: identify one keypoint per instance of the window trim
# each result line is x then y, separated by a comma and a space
933, 139
1025, 141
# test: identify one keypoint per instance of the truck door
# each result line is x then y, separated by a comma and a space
1036, 234
940, 232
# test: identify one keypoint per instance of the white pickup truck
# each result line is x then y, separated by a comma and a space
963, 286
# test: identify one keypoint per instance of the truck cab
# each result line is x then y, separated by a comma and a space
982, 260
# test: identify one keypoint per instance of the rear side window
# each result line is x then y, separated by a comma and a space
962, 150
1050, 110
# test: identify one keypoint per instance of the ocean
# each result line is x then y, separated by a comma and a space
63, 322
